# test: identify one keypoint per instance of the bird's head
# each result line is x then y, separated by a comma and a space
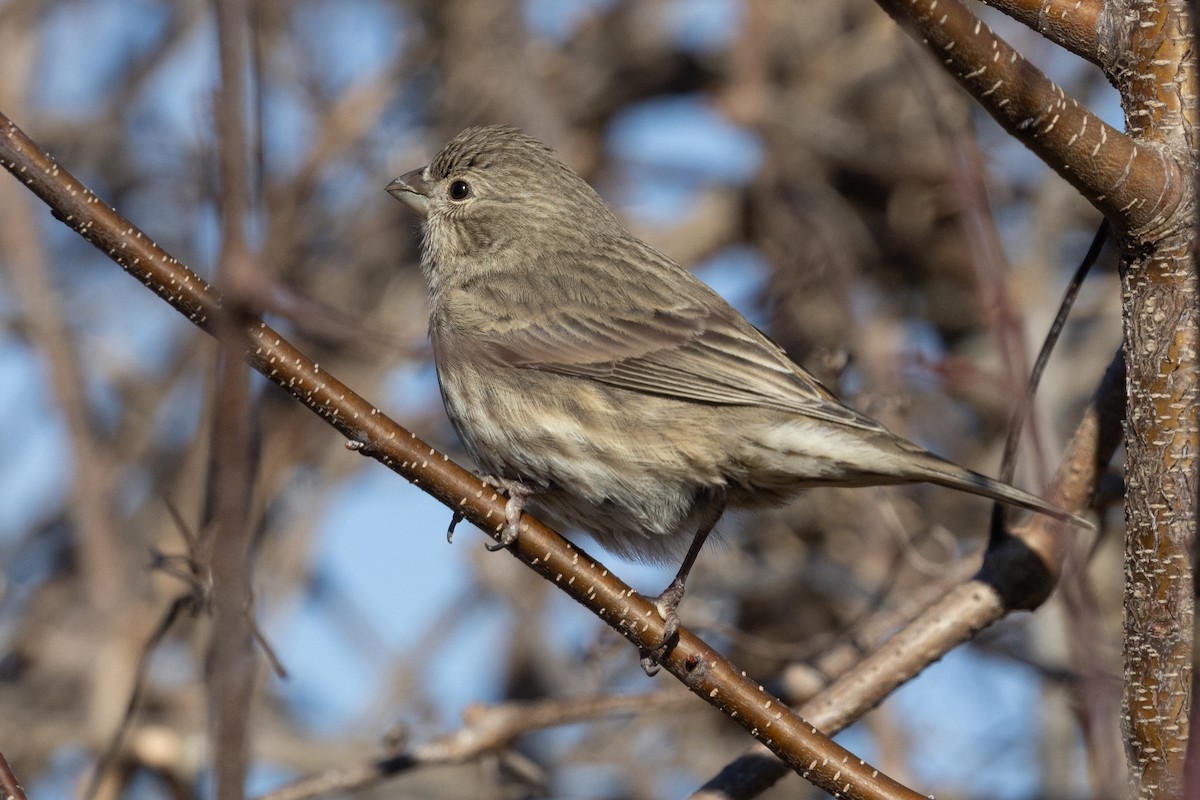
494, 189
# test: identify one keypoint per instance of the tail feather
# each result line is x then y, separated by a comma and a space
807, 453
949, 474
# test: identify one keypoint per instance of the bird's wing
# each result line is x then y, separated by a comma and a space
692, 348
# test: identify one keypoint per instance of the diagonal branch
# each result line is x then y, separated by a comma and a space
1075, 25
486, 730
1134, 184
8, 781
692, 661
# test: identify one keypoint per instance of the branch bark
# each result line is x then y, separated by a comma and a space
485, 730
1160, 511
1156, 76
1075, 25
225, 543
1133, 183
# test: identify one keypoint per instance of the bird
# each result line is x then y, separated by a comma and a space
608, 389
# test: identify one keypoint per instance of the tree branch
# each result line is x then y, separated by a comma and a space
8, 781
1075, 25
485, 730
225, 540
1131, 183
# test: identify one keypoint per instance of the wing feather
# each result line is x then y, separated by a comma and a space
693, 347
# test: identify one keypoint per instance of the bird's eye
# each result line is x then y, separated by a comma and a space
460, 190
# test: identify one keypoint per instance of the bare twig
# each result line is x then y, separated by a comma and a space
225, 543
1071, 24
486, 729
1043, 357
8, 782
104, 764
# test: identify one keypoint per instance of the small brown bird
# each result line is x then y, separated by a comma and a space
595, 377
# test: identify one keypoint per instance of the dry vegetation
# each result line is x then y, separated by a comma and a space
914, 256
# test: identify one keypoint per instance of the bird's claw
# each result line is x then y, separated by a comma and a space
517, 493
455, 518
511, 531
667, 604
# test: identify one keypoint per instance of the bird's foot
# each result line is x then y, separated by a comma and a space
667, 604
517, 493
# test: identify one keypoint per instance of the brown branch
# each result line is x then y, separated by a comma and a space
486, 730
8, 781
968, 184
95, 461
1154, 69
225, 541
1162, 440
692, 661
1131, 183
1157, 78
1076, 25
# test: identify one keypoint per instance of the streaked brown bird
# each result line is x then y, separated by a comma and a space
595, 377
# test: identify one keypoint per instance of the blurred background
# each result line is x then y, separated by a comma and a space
806, 159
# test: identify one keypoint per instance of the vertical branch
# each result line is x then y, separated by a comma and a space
1160, 511
992, 269
226, 546
1157, 80
98, 547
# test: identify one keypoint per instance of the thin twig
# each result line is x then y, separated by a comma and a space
8, 781
486, 729
1008, 463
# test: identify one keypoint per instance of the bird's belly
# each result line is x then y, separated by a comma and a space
614, 463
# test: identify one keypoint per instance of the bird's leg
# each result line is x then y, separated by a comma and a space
669, 599
517, 493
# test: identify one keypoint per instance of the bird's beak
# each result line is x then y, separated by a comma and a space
411, 189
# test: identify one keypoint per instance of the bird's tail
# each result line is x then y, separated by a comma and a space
945, 473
